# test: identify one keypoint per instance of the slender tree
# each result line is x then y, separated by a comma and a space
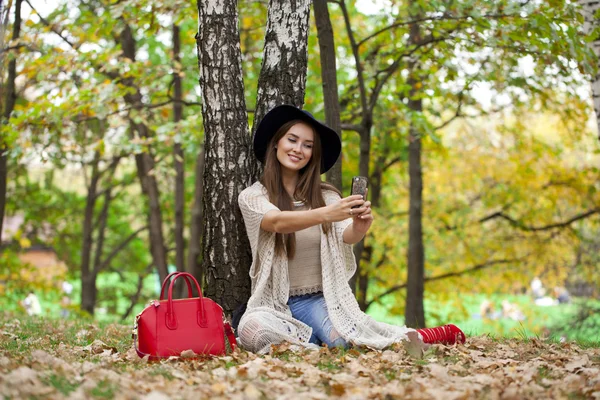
591, 25
329, 78
178, 155
194, 255
144, 161
415, 312
10, 97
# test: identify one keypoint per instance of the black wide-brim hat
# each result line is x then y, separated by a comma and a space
331, 146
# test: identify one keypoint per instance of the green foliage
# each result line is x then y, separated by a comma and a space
531, 162
577, 321
582, 324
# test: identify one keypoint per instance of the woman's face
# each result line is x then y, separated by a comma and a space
295, 147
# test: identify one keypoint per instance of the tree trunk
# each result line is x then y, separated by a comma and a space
589, 9
88, 292
9, 104
329, 77
366, 124
101, 232
3, 179
282, 78
365, 252
178, 157
226, 256
88, 299
415, 312
145, 164
194, 262
361, 277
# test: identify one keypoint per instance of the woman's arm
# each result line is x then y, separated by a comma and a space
293, 221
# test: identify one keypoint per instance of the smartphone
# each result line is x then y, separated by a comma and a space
359, 186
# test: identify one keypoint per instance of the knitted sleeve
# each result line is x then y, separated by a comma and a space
254, 204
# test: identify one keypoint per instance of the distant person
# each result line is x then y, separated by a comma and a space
301, 232
65, 302
537, 289
512, 311
32, 305
486, 309
562, 295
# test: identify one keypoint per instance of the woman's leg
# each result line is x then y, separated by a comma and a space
260, 329
312, 310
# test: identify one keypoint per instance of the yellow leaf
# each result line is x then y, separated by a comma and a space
25, 243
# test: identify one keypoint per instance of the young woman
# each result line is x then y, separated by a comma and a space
301, 232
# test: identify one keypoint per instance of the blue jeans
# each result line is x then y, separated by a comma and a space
312, 310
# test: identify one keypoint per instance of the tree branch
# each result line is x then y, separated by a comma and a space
52, 27
443, 17
389, 71
359, 69
118, 249
517, 224
446, 275
15, 47
352, 127
134, 298
456, 115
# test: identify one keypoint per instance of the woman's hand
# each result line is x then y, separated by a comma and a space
342, 209
362, 222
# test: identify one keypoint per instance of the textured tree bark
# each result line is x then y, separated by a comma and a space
589, 9
226, 255
282, 77
9, 104
329, 77
414, 312
178, 157
145, 163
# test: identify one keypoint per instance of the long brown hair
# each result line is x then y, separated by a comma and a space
309, 188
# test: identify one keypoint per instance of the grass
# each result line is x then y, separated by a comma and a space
104, 390
356, 372
61, 383
547, 322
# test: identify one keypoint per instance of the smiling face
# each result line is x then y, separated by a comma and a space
295, 148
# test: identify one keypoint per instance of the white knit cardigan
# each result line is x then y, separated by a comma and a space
268, 319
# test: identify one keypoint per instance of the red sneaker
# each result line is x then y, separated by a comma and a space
447, 334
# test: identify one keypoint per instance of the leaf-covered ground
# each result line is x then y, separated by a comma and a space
64, 359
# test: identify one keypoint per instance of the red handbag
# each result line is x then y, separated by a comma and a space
168, 327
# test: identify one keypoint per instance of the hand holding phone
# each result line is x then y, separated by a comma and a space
359, 186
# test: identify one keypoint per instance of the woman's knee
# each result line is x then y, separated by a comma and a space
332, 337
259, 329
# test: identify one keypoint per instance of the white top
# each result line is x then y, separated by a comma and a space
304, 268
270, 286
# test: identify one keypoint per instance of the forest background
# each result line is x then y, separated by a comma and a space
473, 120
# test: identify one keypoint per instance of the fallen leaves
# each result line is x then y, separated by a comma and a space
90, 363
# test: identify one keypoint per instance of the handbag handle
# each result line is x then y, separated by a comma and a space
164, 285
170, 320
